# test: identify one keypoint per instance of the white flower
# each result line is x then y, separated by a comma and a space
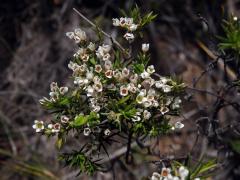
164, 110
166, 88
146, 103
38, 126
87, 131
235, 18
72, 65
125, 72
164, 80
109, 74
81, 34
129, 37
98, 68
108, 64
123, 91
96, 108
53, 86
145, 75
156, 176
70, 35
165, 172
159, 84
183, 172
63, 90
116, 22
90, 91
145, 47
178, 125
84, 57
107, 132
197, 179
98, 86
132, 88
146, 114
117, 74
176, 103
50, 126
155, 103
136, 119
91, 46
56, 128
106, 57
133, 27
133, 78
89, 75
64, 119
150, 69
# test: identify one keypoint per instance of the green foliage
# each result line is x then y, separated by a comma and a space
79, 160
231, 39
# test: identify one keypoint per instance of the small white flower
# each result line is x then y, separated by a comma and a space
133, 78
96, 108
38, 126
165, 172
84, 57
178, 125
183, 172
107, 132
56, 127
63, 90
129, 37
116, 22
125, 72
164, 110
145, 47
109, 74
155, 103
90, 91
150, 69
53, 86
136, 119
166, 88
98, 68
64, 119
106, 57
117, 74
159, 84
235, 18
133, 27
50, 126
87, 131
164, 80
132, 88
108, 64
145, 75
98, 86
197, 179
91, 46
70, 35
156, 176
123, 91
146, 114
89, 75
146, 103
81, 34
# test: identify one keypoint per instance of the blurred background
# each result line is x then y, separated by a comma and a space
34, 51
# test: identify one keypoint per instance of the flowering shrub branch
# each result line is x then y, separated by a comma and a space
110, 96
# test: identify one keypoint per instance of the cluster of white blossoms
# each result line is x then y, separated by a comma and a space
78, 35
96, 77
167, 174
127, 23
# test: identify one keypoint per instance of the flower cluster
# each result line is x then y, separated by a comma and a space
111, 94
128, 24
181, 173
